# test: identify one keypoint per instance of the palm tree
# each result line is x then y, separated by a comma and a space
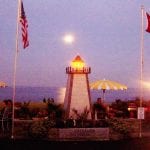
24, 110
51, 107
99, 109
55, 111
83, 116
120, 107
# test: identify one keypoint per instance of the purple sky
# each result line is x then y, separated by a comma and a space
107, 37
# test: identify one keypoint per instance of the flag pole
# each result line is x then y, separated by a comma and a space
141, 63
15, 70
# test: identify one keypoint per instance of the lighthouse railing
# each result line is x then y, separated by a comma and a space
84, 70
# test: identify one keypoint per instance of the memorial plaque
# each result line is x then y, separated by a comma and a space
84, 133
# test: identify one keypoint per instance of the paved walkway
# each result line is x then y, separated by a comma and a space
126, 144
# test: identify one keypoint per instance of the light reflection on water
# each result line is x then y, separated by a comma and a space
61, 95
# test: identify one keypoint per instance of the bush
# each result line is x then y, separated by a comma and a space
39, 129
59, 123
120, 126
69, 123
103, 123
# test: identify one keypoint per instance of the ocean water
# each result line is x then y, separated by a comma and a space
38, 93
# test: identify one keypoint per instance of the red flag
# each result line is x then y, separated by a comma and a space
24, 27
148, 24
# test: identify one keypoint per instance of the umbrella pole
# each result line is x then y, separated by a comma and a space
103, 95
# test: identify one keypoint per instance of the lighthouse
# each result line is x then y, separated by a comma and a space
77, 96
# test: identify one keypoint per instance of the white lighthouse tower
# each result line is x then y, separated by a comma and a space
77, 96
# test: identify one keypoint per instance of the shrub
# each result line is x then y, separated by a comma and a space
38, 130
120, 126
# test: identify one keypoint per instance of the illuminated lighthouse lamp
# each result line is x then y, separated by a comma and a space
77, 63
78, 66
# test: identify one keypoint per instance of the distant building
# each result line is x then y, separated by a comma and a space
132, 108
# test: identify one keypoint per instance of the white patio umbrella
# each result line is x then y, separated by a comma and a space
107, 85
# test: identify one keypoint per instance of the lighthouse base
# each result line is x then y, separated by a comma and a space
77, 99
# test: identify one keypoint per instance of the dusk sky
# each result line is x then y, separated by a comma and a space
107, 36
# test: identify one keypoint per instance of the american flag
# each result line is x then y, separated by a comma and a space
24, 27
148, 22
